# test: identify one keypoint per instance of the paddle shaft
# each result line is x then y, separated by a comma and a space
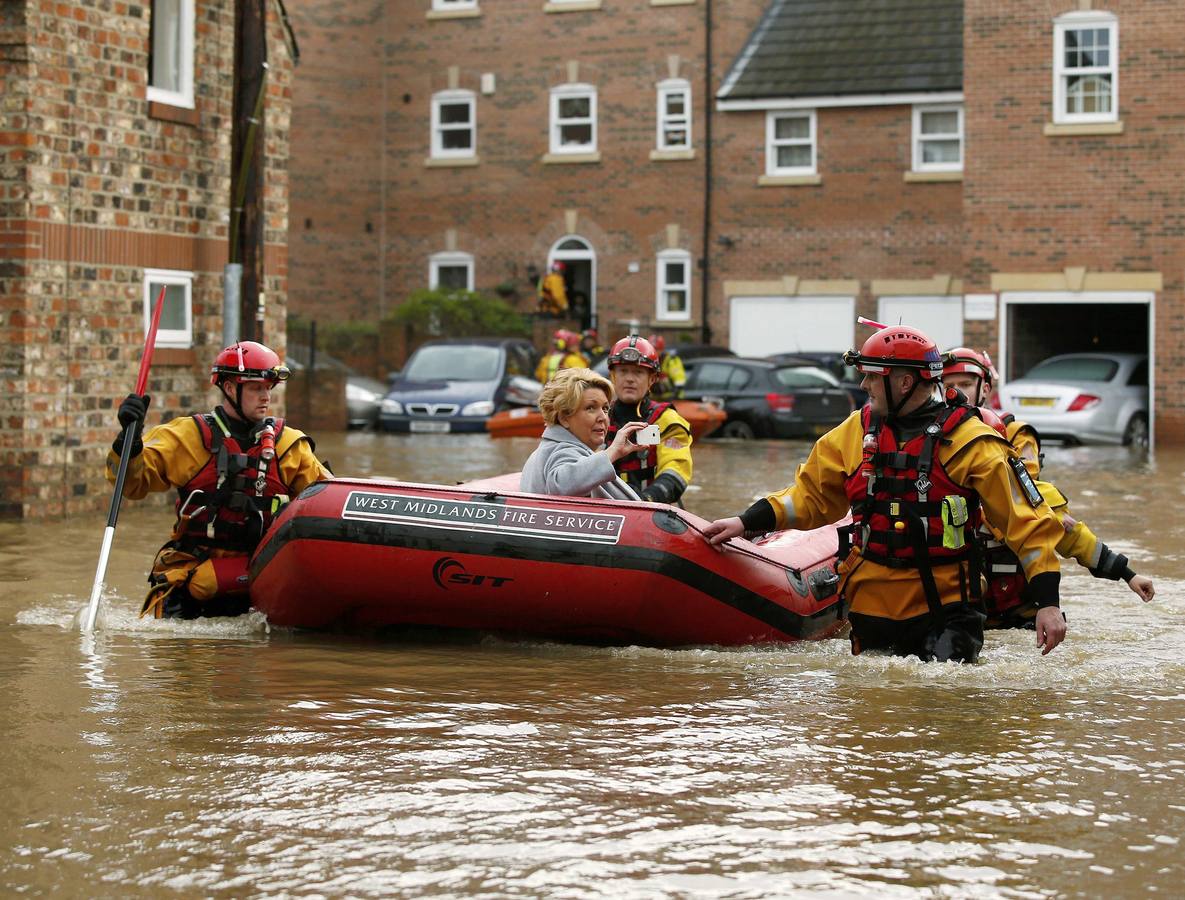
131, 434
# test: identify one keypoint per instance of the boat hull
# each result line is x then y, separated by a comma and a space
365, 554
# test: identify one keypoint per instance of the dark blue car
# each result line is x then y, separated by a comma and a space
457, 384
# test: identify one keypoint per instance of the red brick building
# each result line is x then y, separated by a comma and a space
115, 180
756, 172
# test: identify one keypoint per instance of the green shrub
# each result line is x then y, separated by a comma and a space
459, 314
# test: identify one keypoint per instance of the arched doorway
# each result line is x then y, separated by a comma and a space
580, 274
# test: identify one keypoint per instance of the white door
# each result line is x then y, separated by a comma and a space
761, 326
941, 318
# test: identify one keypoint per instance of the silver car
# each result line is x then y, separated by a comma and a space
1084, 397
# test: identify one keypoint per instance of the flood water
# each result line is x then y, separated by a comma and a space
224, 758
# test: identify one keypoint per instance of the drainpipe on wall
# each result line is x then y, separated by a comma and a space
705, 266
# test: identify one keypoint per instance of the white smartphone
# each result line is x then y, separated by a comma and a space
648, 436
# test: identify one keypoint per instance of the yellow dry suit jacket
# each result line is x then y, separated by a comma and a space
975, 458
556, 360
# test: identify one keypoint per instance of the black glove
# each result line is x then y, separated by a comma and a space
133, 409
1112, 566
666, 488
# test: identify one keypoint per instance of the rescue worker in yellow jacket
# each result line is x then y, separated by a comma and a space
914, 467
553, 291
672, 377
659, 472
233, 468
566, 355
972, 374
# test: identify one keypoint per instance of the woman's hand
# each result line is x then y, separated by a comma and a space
622, 445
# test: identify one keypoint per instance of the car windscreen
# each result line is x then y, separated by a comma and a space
804, 377
454, 362
1074, 368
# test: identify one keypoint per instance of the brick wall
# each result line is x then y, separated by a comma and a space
95, 190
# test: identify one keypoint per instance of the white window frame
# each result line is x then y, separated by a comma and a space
153, 279
663, 311
772, 144
450, 259
453, 98
183, 97
919, 139
451, 5
1074, 21
566, 92
666, 121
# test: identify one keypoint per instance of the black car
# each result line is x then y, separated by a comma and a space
829, 362
764, 398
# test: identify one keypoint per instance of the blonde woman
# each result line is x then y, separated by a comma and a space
569, 460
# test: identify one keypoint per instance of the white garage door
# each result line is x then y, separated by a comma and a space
940, 317
759, 326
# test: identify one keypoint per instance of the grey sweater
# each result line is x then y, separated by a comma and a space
563, 465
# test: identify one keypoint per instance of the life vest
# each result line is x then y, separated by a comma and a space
636, 469
233, 498
907, 512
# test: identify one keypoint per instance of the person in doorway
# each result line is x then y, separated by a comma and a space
572, 459
564, 355
553, 291
972, 374
913, 466
659, 473
671, 375
233, 468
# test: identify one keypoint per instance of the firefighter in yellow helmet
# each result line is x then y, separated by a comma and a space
914, 467
658, 472
972, 374
565, 355
233, 468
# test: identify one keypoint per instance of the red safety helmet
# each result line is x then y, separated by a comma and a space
898, 346
248, 361
659, 342
589, 333
965, 361
634, 351
558, 266
565, 339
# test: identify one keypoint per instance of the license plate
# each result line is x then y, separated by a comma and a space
1037, 401
421, 425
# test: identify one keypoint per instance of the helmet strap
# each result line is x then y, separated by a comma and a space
895, 409
236, 401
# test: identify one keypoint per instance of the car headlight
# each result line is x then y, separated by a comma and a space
392, 407
359, 394
480, 408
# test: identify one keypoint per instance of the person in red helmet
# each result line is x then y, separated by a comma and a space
671, 375
972, 374
659, 472
914, 466
553, 291
564, 355
233, 468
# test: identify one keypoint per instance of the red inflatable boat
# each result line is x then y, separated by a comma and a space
527, 421
359, 553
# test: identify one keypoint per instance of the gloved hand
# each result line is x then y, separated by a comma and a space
133, 409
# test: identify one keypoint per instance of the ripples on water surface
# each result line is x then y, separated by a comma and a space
221, 758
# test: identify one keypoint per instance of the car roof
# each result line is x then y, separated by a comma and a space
1096, 354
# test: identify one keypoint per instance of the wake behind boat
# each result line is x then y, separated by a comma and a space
484, 557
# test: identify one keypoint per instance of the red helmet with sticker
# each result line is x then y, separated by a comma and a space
634, 351
248, 361
898, 346
659, 342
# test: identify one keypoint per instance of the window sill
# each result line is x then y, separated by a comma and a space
665, 155
1073, 129
932, 177
166, 113
569, 159
452, 14
445, 162
175, 356
672, 2
580, 6
789, 180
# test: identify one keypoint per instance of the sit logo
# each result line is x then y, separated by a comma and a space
448, 572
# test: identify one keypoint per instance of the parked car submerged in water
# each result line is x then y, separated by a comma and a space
1084, 397
455, 385
769, 399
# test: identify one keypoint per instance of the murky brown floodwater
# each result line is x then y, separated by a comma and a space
224, 759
